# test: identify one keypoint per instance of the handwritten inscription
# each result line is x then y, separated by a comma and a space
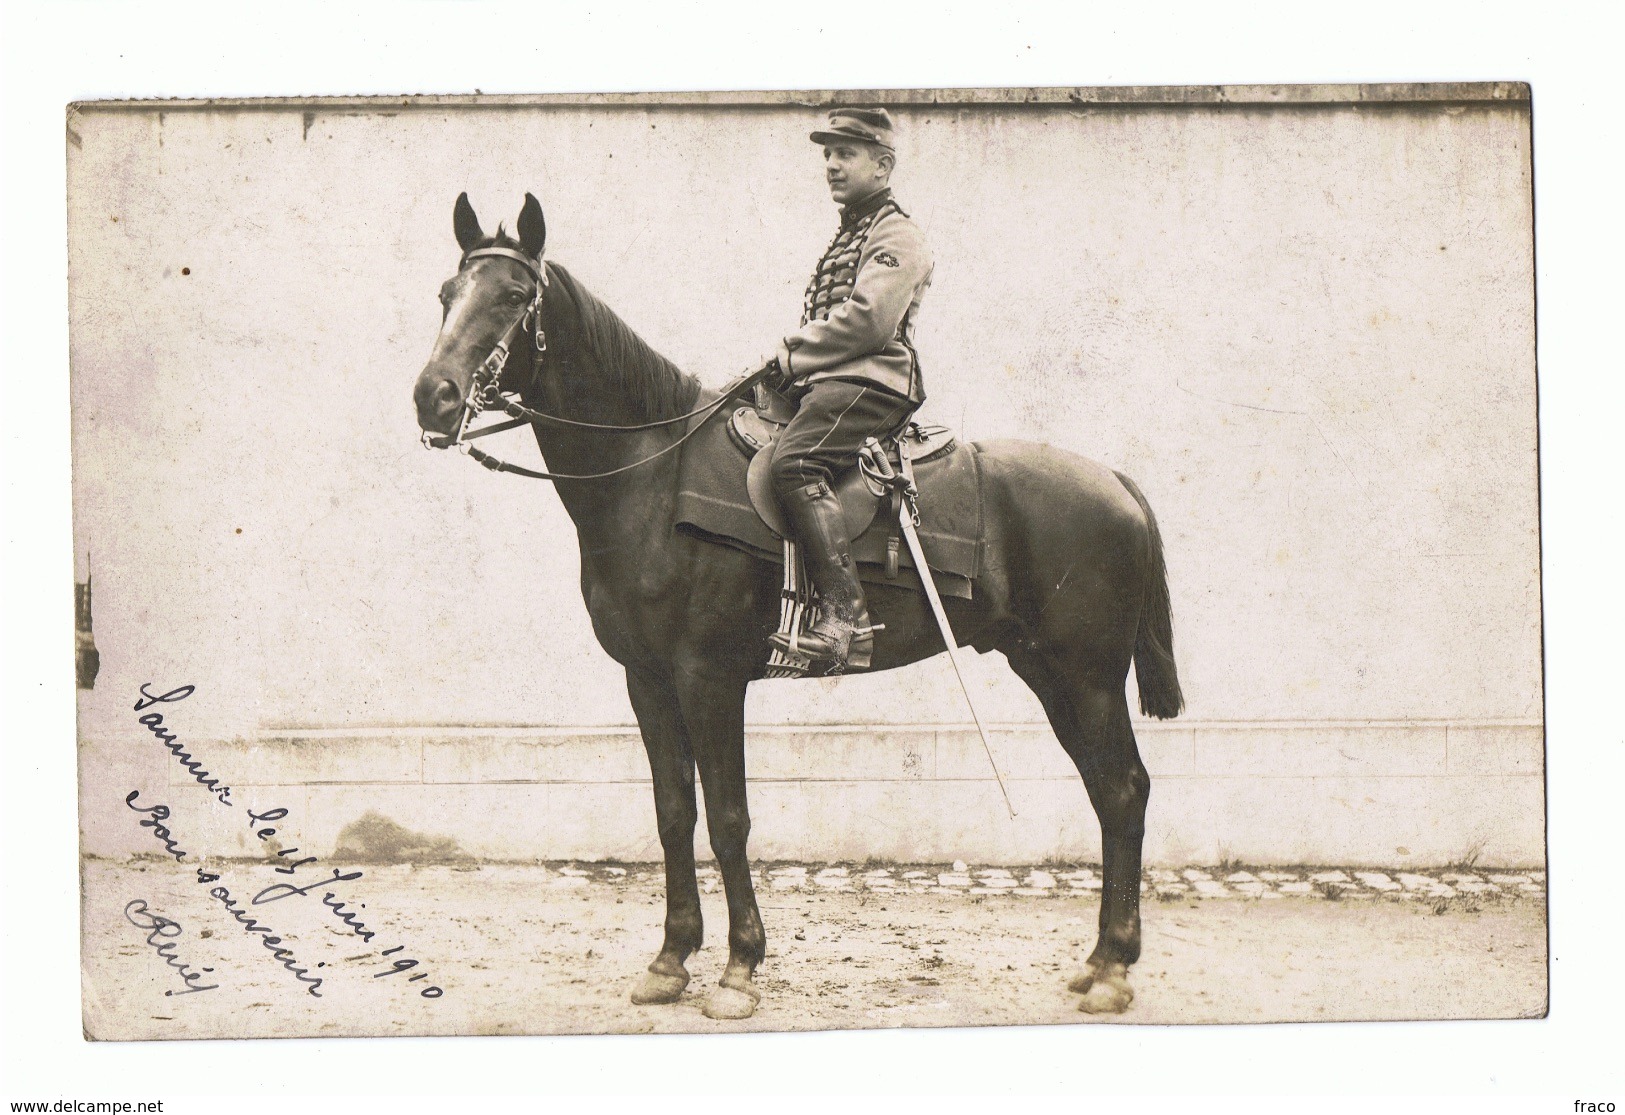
330, 900
156, 816
268, 937
263, 824
154, 723
161, 934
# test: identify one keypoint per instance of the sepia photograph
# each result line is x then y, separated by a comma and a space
1019, 554
844, 559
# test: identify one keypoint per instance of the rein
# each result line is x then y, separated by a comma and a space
485, 392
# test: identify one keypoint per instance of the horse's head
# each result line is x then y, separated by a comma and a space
488, 303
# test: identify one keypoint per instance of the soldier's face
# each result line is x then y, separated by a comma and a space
854, 170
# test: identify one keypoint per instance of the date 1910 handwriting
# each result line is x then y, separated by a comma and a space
263, 825
263, 828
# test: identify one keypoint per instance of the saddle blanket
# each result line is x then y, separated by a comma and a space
713, 504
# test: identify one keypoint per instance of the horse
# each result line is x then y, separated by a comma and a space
1072, 590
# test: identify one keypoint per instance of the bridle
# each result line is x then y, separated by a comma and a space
486, 392
485, 386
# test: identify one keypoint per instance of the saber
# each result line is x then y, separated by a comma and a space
906, 518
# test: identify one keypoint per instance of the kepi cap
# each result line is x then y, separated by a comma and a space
870, 125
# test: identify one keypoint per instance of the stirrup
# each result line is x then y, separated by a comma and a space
860, 651
860, 643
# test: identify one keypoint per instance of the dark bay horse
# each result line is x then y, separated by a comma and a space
1073, 589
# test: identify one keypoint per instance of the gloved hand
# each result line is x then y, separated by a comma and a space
776, 377
770, 364
780, 379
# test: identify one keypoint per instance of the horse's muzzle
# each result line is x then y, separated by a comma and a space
439, 403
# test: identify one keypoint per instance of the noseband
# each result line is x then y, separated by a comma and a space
485, 391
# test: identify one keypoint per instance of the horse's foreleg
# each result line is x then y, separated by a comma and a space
671, 763
714, 710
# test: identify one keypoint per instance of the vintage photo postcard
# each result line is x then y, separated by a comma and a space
520, 540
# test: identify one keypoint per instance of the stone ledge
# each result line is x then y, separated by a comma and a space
1342, 93
1265, 792
909, 752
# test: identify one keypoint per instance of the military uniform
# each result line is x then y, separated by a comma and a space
852, 366
857, 319
852, 369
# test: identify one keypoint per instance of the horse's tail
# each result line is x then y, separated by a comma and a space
1160, 695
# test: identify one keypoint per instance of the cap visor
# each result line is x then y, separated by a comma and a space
846, 137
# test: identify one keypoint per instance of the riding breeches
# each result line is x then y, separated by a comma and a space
830, 426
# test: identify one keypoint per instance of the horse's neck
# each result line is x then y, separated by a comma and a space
617, 517
631, 510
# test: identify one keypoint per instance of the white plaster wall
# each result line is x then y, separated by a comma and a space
1306, 331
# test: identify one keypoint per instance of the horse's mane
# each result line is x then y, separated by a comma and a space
650, 384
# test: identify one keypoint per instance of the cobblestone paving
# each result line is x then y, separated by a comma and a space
1054, 881
558, 947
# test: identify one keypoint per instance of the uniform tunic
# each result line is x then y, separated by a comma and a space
852, 364
858, 314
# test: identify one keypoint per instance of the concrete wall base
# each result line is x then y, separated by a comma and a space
1391, 794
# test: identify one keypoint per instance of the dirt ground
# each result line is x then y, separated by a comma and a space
531, 950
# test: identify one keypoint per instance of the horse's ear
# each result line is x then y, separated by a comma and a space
466, 224
532, 228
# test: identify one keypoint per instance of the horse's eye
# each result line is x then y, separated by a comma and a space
445, 296
516, 297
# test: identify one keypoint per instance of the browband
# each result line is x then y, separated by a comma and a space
534, 266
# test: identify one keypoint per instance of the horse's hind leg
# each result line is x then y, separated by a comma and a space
1089, 712
671, 764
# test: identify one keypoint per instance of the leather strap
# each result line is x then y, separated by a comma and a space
906, 466
495, 464
534, 266
894, 536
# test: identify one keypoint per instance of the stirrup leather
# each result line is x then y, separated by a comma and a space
796, 609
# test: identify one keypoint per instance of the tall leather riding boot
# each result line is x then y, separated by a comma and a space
820, 529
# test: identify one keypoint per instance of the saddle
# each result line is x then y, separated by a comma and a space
755, 428
725, 496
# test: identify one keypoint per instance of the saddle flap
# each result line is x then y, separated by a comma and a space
713, 504
754, 428
858, 503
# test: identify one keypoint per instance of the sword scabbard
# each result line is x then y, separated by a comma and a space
911, 535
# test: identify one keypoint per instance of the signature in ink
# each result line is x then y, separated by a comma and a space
263, 824
161, 934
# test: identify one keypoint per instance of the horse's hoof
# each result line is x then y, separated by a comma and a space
1106, 996
1084, 980
732, 1003
659, 988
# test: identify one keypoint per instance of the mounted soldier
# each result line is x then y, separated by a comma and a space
850, 368
669, 605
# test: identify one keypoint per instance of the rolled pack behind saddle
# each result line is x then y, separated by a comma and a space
725, 495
